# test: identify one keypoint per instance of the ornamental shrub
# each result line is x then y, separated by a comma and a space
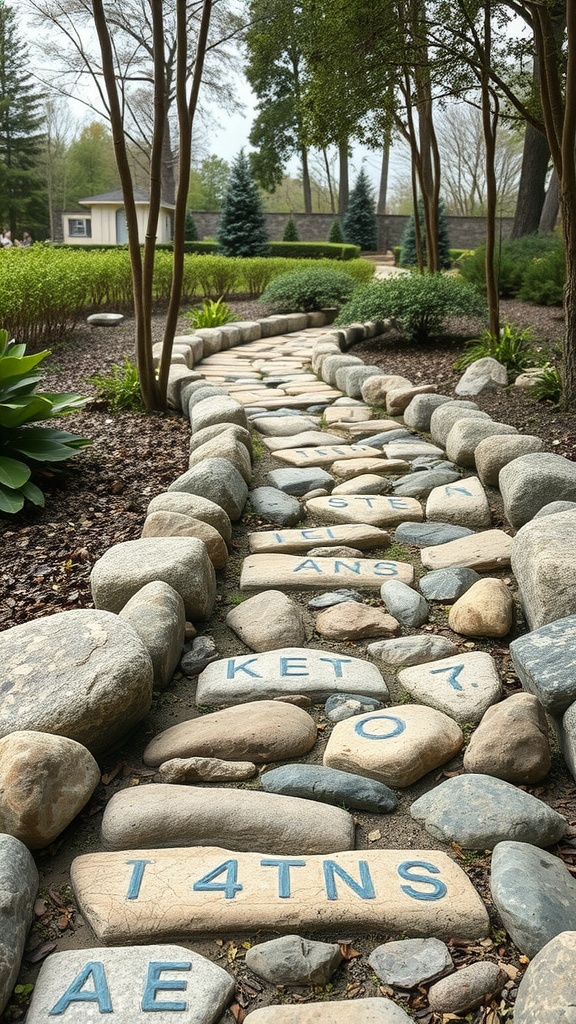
336, 232
512, 264
242, 225
303, 291
290, 231
544, 278
408, 254
360, 225
420, 303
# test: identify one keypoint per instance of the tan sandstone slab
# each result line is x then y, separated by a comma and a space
481, 551
151, 895
372, 427
348, 414
326, 455
305, 439
360, 1011
462, 503
287, 542
284, 401
347, 469
370, 509
265, 571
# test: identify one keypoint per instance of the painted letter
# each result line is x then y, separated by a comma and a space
337, 503
232, 668
397, 503
449, 490
286, 664
283, 873
308, 563
439, 889
99, 994
133, 890
398, 727
364, 889
355, 568
386, 569
230, 887
154, 984
337, 663
453, 673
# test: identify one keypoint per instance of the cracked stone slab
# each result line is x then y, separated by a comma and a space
277, 571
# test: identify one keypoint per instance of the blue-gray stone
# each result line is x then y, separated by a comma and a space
556, 506
268, 413
330, 786
274, 506
386, 436
18, 888
534, 894
317, 408
292, 960
545, 661
430, 462
409, 962
345, 705
404, 651
335, 597
425, 535
479, 811
419, 485
447, 585
300, 481
548, 989
408, 607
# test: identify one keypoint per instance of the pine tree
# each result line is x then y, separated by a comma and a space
23, 195
360, 227
408, 254
242, 226
336, 235
290, 231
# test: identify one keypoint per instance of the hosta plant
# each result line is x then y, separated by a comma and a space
25, 448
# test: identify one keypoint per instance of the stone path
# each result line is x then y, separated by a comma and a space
313, 721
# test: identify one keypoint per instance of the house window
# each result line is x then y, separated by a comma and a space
79, 227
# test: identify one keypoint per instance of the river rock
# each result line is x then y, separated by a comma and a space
484, 551
419, 485
534, 893
350, 379
410, 962
353, 621
18, 888
259, 731
447, 585
174, 524
462, 686
300, 481
347, 469
485, 374
205, 769
332, 363
404, 604
468, 988
275, 506
361, 1011
219, 481
545, 661
486, 609
412, 650
532, 481
164, 816
315, 782
423, 535
224, 447
493, 453
544, 563
375, 389
445, 416
479, 811
344, 705
156, 613
267, 621
224, 430
195, 506
217, 410
197, 655
556, 506
418, 412
83, 674
548, 989
511, 742
182, 562
463, 503
333, 597
292, 960
396, 746
397, 399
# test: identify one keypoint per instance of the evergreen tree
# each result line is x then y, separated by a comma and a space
290, 231
190, 229
242, 226
336, 235
23, 195
408, 254
360, 226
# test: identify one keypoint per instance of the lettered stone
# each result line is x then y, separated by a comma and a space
325, 455
182, 562
371, 510
174, 524
174, 816
195, 506
418, 412
462, 686
410, 449
545, 661
479, 811
447, 585
326, 785
484, 551
445, 416
293, 571
412, 650
45, 781
463, 503
410, 962
292, 960
486, 609
534, 893
274, 506
289, 541
131, 984
396, 746
217, 410
544, 563
548, 989
419, 892
468, 988
532, 481
314, 673
493, 453
205, 769
224, 447
18, 888
219, 481
83, 674
484, 374
353, 621
300, 481
511, 742
267, 621
156, 613
423, 535
408, 607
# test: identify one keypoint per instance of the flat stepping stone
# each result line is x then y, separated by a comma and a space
352, 621
420, 485
293, 571
410, 962
447, 585
388, 434
462, 686
327, 785
303, 670
174, 816
412, 650
371, 510
267, 621
534, 893
305, 439
348, 414
364, 483
397, 746
463, 504
18, 889
130, 983
258, 731
105, 319
363, 1011
292, 960
203, 890
479, 811
511, 742
375, 428
300, 481
423, 535
545, 661
290, 541
274, 506
410, 449
326, 455
284, 426
544, 564
484, 551
548, 989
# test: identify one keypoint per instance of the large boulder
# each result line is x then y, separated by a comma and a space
544, 562
532, 481
485, 374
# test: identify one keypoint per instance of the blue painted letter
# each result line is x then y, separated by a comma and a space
283, 873
230, 887
99, 994
438, 888
364, 888
154, 984
398, 727
136, 877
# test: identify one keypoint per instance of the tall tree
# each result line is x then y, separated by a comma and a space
208, 182
23, 198
91, 165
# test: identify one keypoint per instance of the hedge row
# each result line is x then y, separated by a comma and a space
44, 290
290, 250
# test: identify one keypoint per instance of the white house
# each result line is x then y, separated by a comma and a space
104, 223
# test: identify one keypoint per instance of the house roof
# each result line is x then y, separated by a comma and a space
116, 198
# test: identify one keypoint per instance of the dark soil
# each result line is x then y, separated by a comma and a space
100, 499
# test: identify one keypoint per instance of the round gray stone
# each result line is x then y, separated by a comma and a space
335, 597
403, 651
419, 485
274, 506
344, 705
548, 989
425, 535
18, 888
447, 585
532, 481
409, 962
300, 481
292, 960
219, 481
404, 603
157, 614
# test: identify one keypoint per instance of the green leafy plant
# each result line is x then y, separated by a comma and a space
420, 303
120, 389
302, 291
513, 261
547, 386
514, 349
23, 447
211, 314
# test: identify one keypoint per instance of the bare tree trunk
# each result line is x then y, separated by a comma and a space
550, 210
329, 180
306, 180
383, 189
531, 189
343, 186
168, 176
490, 123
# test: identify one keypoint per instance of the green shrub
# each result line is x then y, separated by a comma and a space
420, 303
547, 386
512, 262
314, 250
307, 290
120, 389
290, 231
408, 254
190, 229
545, 278
514, 349
22, 447
336, 235
210, 314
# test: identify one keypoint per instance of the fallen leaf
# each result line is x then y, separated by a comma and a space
238, 1013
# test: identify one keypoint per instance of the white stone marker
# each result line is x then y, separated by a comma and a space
463, 686
271, 571
326, 455
370, 509
134, 985
143, 895
463, 503
290, 541
315, 673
